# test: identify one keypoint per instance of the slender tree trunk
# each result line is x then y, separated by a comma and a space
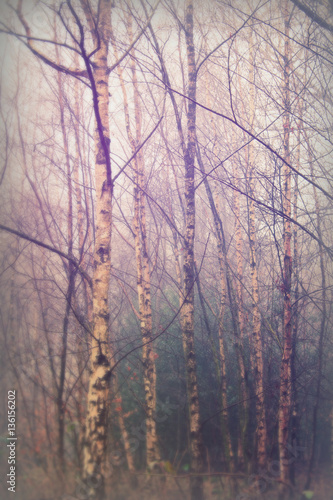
261, 428
227, 289
152, 451
70, 287
243, 410
296, 267
196, 482
243, 439
322, 328
214, 205
84, 237
142, 259
285, 376
222, 259
100, 354
124, 433
239, 249
226, 435
187, 312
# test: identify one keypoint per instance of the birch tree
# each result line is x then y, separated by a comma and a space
285, 379
141, 253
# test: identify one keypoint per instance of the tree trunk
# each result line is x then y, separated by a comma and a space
84, 239
296, 267
70, 287
285, 376
142, 258
124, 433
196, 481
222, 259
100, 354
322, 327
261, 429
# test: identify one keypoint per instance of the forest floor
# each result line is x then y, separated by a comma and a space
217, 488
123, 486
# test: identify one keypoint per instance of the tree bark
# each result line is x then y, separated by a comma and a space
261, 429
100, 354
142, 258
196, 481
296, 268
70, 287
222, 259
322, 328
285, 374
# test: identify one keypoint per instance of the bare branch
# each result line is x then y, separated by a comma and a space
48, 247
312, 15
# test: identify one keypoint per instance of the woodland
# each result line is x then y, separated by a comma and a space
166, 249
